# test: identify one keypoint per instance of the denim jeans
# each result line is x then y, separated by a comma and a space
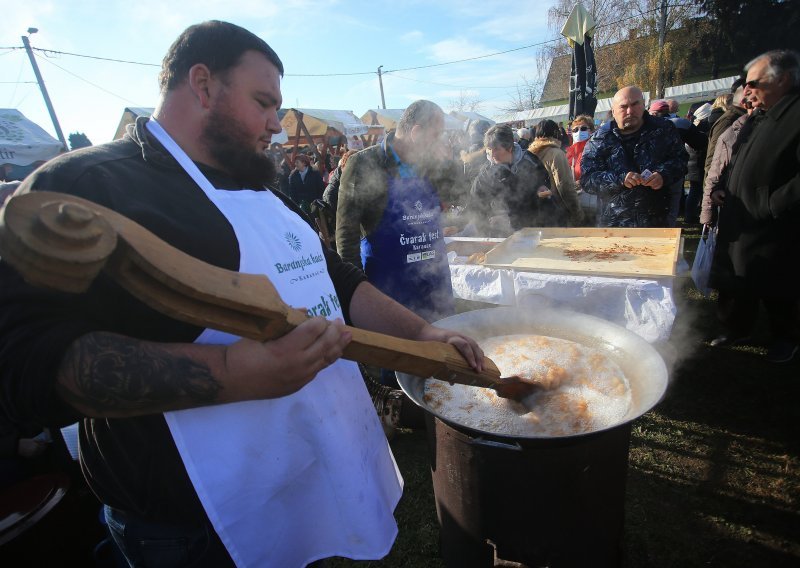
147, 544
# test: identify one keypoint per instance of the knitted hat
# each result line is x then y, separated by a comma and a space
659, 106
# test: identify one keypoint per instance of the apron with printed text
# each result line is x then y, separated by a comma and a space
290, 480
405, 256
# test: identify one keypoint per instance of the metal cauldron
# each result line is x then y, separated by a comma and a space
539, 501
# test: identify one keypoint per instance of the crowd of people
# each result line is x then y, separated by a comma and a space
211, 450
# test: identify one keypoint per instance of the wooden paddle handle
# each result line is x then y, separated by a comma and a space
62, 242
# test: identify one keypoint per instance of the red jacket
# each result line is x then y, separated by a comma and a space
574, 153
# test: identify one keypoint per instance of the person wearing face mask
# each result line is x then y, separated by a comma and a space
511, 191
581, 129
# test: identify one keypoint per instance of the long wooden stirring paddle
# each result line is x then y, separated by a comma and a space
62, 242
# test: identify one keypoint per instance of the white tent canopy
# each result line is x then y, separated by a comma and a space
389, 117
557, 113
470, 116
23, 142
692, 92
318, 121
699, 91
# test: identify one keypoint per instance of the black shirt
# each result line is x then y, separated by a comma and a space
132, 463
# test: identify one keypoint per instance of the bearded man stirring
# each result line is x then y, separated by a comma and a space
267, 453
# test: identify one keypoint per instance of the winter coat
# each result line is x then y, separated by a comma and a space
720, 161
510, 189
657, 147
720, 125
759, 224
331, 193
549, 151
304, 191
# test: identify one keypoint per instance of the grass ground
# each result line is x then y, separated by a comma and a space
714, 469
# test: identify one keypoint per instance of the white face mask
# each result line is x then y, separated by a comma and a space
580, 135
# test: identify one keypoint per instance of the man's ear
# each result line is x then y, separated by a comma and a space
416, 130
200, 83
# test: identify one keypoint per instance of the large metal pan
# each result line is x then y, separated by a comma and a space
641, 363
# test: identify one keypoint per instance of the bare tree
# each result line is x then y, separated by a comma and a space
465, 102
525, 96
654, 55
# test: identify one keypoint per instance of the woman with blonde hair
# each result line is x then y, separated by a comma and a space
547, 147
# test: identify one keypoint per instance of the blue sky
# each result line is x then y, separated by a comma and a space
313, 37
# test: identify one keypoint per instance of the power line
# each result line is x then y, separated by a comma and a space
512, 50
90, 83
45, 52
444, 84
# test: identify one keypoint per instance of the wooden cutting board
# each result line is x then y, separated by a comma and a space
596, 251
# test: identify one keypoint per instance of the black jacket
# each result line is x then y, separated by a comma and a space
608, 157
759, 224
130, 463
304, 191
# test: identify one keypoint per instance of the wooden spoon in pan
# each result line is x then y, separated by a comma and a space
62, 242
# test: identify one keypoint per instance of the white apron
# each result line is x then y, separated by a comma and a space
290, 480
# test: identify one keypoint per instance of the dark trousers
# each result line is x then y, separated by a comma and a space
692, 208
738, 312
147, 544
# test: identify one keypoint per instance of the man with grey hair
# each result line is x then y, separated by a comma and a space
388, 217
511, 191
524, 135
759, 224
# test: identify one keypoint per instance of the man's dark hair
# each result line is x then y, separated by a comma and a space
499, 135
420, 112
739, 82
218, 45
547, 129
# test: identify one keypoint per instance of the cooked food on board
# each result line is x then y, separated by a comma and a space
582, 390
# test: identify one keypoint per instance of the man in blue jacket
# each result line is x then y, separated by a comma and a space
630, 164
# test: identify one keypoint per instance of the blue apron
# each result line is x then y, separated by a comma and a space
405, 256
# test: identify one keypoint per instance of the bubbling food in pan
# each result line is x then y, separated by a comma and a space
580, 390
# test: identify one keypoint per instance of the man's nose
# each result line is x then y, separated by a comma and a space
273, 124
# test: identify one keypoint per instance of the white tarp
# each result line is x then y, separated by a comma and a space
557, 113
645, 307
389, 117
470, 116
700, 91
23, 142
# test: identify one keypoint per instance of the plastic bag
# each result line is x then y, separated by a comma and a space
701, 267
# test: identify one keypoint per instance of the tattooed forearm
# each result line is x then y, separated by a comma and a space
109, 375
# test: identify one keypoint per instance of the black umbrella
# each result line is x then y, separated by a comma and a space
578, 29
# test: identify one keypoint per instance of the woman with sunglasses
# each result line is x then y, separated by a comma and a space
581, 129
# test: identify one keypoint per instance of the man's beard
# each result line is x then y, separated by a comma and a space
227, 144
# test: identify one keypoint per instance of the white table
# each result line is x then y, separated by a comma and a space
643, 306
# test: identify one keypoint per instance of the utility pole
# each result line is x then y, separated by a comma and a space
380, 82
39, 79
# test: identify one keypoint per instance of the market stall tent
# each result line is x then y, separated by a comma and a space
389, 117
326, 127
23, 142
469, 116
